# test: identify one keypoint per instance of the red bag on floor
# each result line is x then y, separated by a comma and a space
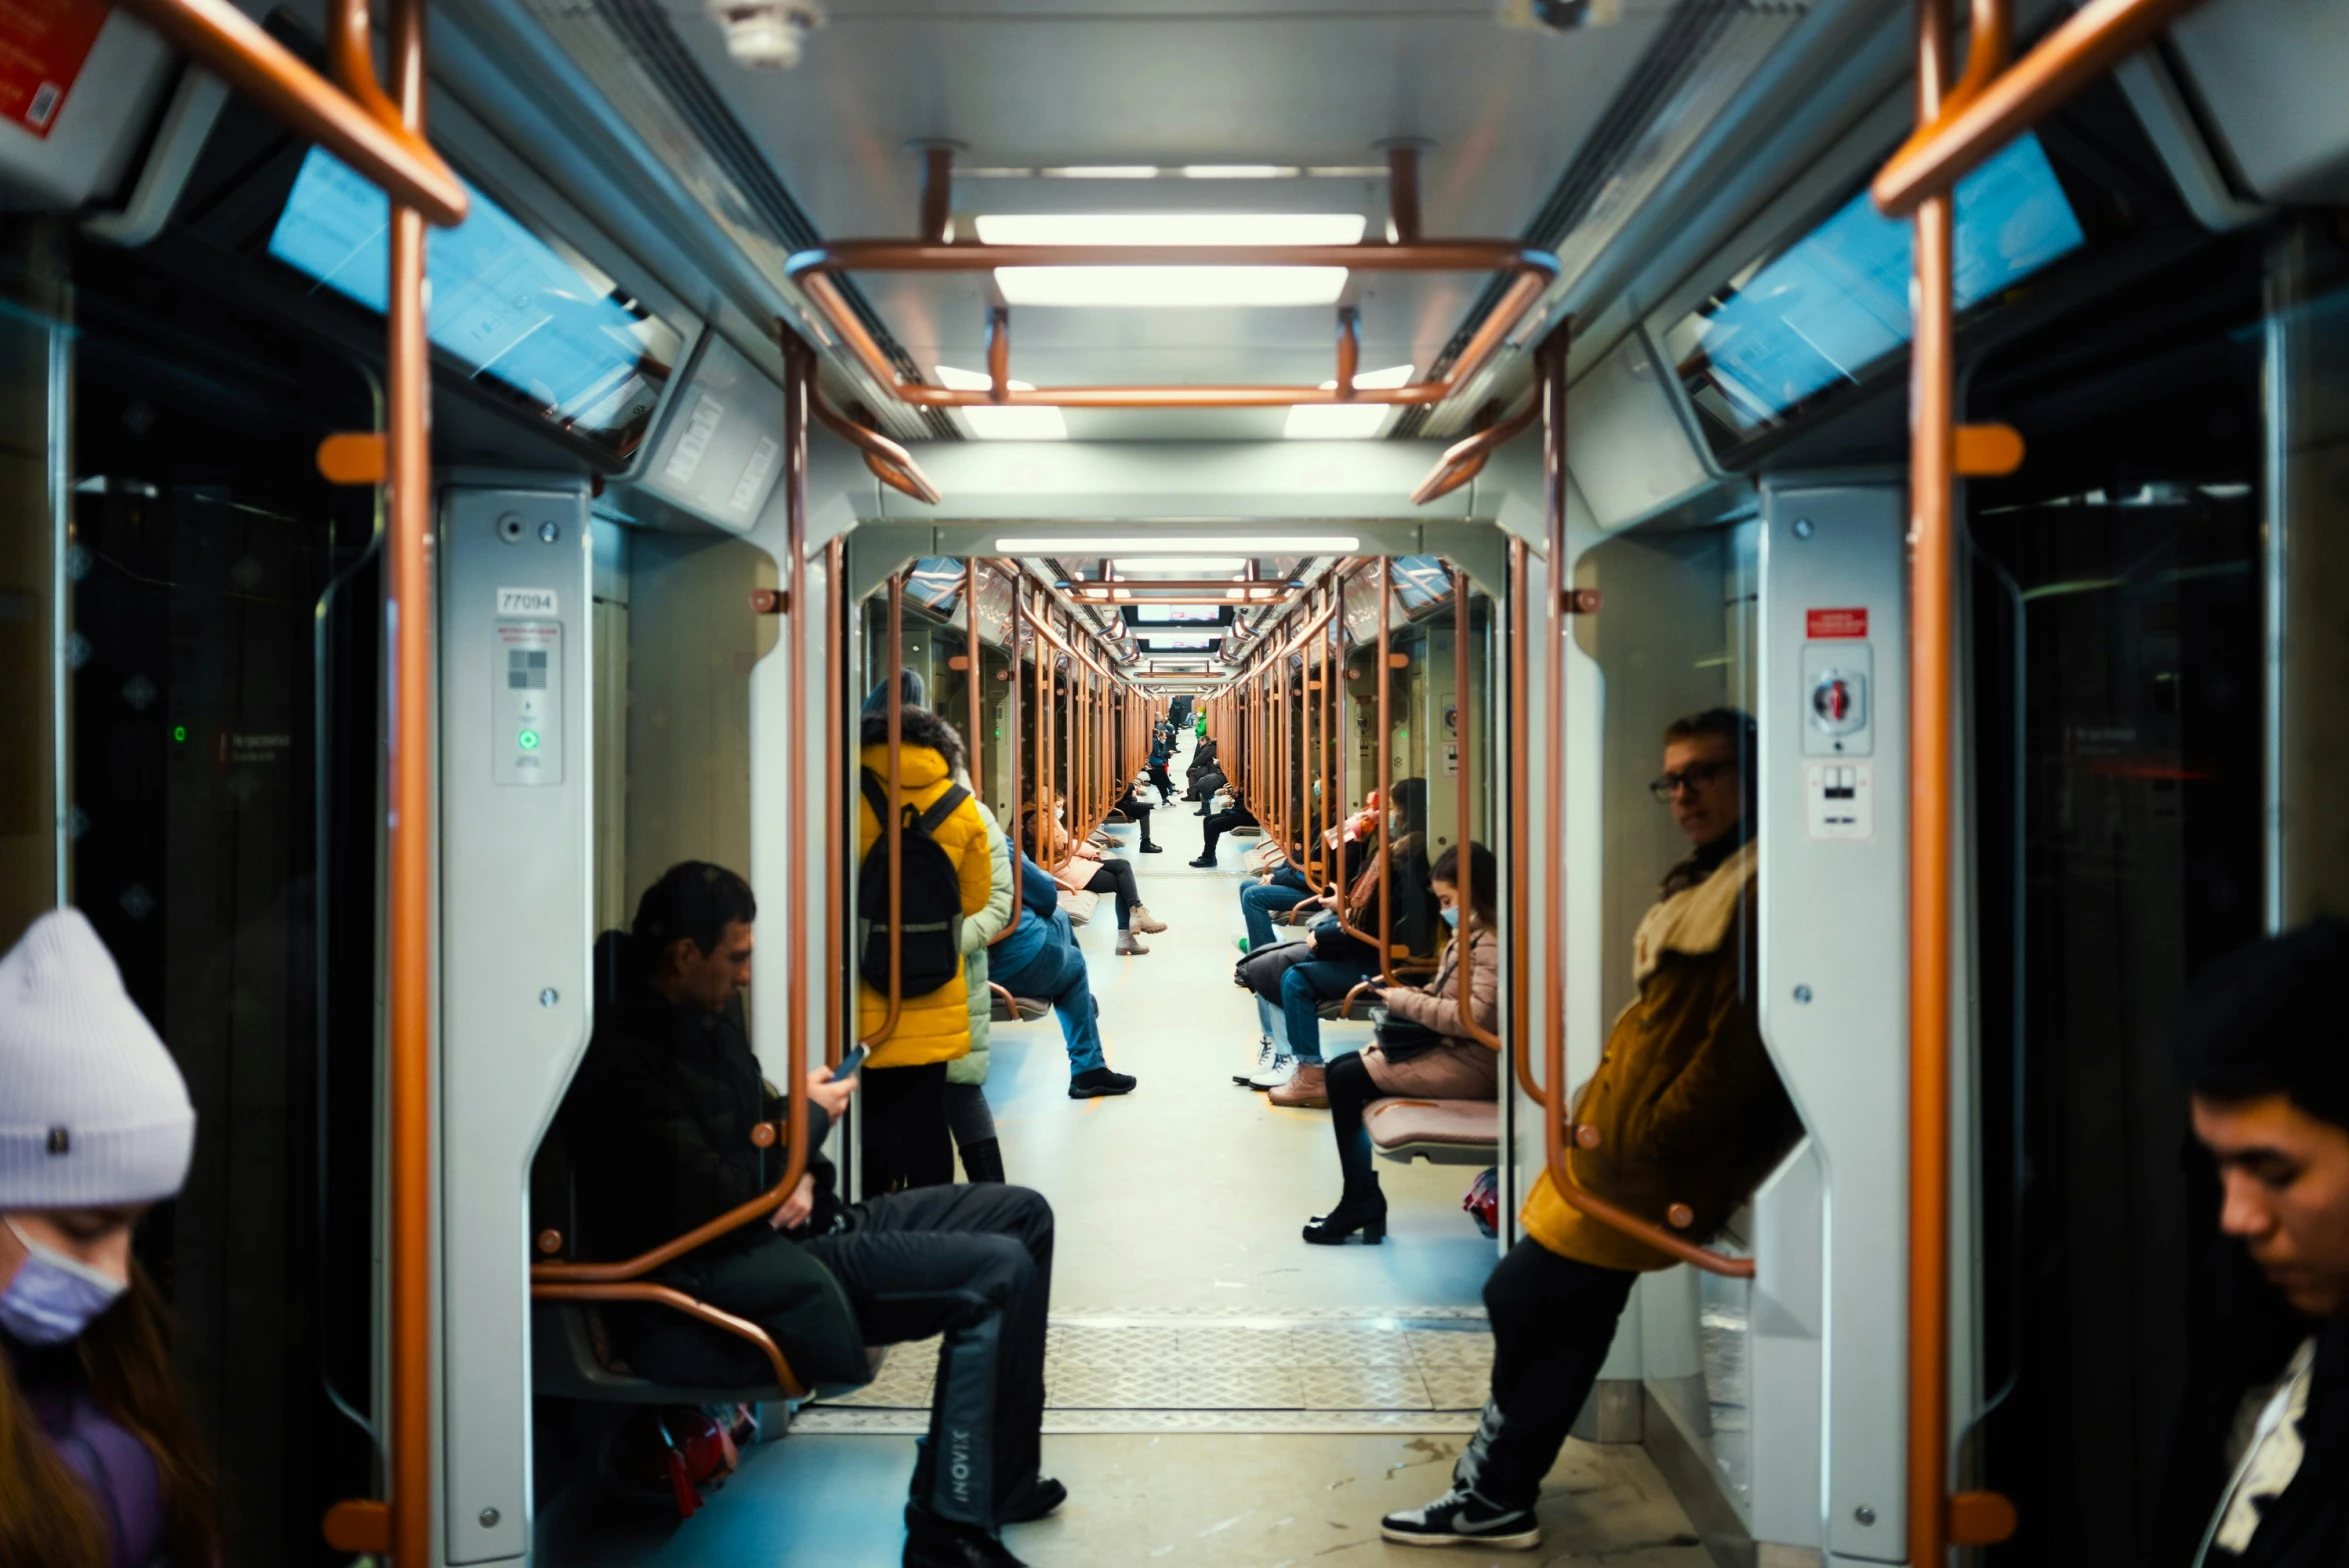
690, 1451
1483, 1202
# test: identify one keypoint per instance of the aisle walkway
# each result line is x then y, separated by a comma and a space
1221, 1393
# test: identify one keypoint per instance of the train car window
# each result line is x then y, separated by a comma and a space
935, 584
522, 313
1793, 328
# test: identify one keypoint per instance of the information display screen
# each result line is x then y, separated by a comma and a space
535, 323
1162, 614
1816, 316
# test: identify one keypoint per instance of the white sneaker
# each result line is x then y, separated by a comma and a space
1266, 1054
1283, 1069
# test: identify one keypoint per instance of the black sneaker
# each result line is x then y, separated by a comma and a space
1033, 1501
1461, 1518
1153, 849
1094, 1083
932, 1542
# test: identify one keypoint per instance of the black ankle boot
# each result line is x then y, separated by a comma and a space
1362, 1209
932, 1542
982, 1160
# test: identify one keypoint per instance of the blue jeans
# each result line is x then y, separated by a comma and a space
1303, 989
1057, 973
1260, 901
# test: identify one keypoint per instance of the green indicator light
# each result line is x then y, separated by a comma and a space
528, 740
179, 732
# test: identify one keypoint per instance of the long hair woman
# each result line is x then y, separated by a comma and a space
100, 1465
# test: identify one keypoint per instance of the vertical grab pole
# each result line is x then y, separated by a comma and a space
1463, 734
1344, 739
1550, 388
1386, 780
1520, 830
976, 665
409, 622
1011, 749
896, 812
799, 374
835, 732
1932, 441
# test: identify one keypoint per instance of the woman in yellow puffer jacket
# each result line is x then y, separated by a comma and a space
907, 1143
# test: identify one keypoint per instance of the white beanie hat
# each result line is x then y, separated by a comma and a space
92, 1107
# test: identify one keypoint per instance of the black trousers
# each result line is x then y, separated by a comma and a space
971, 1263
1553, 1321
1350, 1093
907, 1142
1223, 822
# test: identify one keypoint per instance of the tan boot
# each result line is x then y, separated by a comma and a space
1128, 944
1144, 924
1307, 1091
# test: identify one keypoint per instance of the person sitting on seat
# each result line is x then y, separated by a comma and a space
1687, 1110
1084, 868
1333, 961
1219, 823
1039, 957
2262, 1441
1136, 805
660, 1119
1454, 1065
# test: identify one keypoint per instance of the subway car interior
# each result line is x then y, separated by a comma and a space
1533, 535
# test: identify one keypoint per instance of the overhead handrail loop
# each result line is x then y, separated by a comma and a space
816, 272
888, 462
363, 127
1550, 380
1464, 734
1989, 108
1465, 459
890, 829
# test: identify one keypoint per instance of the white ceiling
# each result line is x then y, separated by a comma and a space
1047, 83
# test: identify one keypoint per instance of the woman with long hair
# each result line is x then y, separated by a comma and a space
100, 1465
1453, 1065
1083, 868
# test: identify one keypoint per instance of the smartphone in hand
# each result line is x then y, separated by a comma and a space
850, 1063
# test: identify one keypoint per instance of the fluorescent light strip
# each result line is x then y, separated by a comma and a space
1346, 421
1180, 544
1203, 565
1103, 171
1240, 171
1171, 228
1169, 287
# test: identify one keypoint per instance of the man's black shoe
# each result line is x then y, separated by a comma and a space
1033, 1501
1095, 1082
1461, 1518
1204, 862
1153, 849
932, 1542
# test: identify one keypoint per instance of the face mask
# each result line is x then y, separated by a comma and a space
54, 1297
1452, 918
1060, 813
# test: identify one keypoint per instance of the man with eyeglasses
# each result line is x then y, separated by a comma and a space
1682, 1120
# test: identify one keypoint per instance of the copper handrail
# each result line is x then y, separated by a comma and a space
814, 271
888, 462
1550, 380
383, 142
1011, 750
1465, 459
836, 611
1466, 884
1518, 934
785, 1378
1984, 113
1384, 941
890, 829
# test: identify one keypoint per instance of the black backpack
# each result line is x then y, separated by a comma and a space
931, 943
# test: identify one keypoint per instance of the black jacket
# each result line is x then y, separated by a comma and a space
658, 1122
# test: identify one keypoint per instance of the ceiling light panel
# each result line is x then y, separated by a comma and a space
1180, 565
1346, 421
1171, 228
1174, 288
1179, 544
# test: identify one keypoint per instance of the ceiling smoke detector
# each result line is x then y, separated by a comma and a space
767, 35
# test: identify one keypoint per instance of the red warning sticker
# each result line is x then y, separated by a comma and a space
43, 45
1836, 623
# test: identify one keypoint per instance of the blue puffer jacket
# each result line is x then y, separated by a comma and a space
1042, 923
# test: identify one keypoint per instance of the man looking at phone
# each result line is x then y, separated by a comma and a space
659, 1122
